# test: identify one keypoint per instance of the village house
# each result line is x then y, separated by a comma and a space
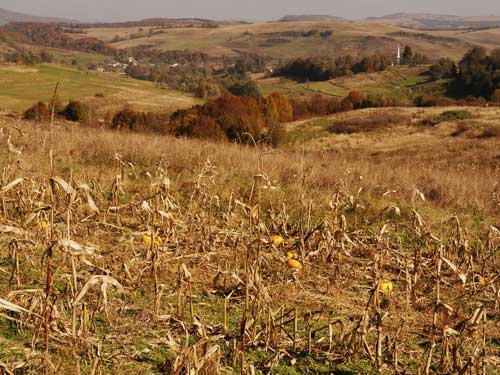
217, 67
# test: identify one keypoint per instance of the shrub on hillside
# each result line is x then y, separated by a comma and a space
372, 122
57, 105
76, 111
445, 68
491, 132
241, 119
318, 105
283, 106
495, 98
381, 101
447, 116
357, 98
39, 112
325, 68
432, 101
202, 126
248, 88
300, 109
129, 119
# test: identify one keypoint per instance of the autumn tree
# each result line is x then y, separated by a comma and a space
356, 97
318, 104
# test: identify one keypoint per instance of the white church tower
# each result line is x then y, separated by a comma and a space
398, 58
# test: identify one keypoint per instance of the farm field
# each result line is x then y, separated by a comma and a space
23, 86
347, 251
399, 81
364, 242
285, 40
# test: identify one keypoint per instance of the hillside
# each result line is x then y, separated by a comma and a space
345, 233
437, 21
400, 81
277, 41
7, 16
23, 86
285, 40
138, 254
308, 17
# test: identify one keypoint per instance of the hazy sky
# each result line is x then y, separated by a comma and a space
101, 10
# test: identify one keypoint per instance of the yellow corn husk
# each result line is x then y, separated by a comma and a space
480, 280
147, 240
277, 240
294, 264
385, 286
42, 224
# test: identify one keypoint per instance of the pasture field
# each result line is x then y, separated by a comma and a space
83, 59
23, 86
282, 41
399, 81
372, 252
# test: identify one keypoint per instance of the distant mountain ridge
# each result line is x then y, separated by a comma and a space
415, 15
308, 17
7, 16
431, 21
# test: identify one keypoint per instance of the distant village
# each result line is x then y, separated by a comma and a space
121, 67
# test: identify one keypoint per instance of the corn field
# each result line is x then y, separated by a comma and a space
134, 274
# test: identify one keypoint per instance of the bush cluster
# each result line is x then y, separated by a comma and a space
321, 105
241, 119
73, 111
325, 68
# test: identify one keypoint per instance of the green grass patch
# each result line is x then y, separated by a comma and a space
453, 115
22, 86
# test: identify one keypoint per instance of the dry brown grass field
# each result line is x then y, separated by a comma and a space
372, 252
348, 37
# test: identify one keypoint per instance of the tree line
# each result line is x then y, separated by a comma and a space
477, 74
200, 79
242, 119
325, 68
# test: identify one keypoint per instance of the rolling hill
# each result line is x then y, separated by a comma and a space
308, 17
286, 40
400, 81
437, 21
7, 16
24, 86
280, 41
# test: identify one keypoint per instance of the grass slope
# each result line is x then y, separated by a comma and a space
348, 37
23, 86
398, 80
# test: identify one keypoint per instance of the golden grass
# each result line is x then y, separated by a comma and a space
349, 37
454, 172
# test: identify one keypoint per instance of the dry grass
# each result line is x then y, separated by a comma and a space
349, 37
377, 121
94, 289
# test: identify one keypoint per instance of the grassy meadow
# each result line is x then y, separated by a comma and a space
398, 81
22, 86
